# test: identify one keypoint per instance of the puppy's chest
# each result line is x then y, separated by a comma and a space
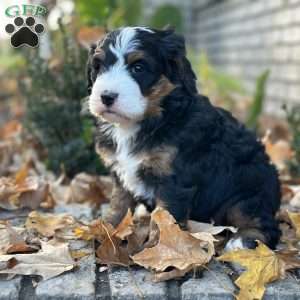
136, 171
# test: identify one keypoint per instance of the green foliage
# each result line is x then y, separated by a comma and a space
216, 84
53, 100
11, 62
110, 13
125, 12
93, 12
258, 100
167, 14
293, 118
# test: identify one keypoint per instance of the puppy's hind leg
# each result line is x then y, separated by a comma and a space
252, 227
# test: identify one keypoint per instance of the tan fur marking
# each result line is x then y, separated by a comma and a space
105, 155
251, 233
247, 227
161, 89
135, 56
159, 160
120, 201
99, 53
236, 218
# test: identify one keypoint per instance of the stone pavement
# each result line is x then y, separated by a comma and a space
89, 282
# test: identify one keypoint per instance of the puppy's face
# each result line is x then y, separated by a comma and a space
131, 70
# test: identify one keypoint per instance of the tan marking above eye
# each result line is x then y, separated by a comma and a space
135, 56
99, 53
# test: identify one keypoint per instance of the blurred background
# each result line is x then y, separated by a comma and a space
246, 54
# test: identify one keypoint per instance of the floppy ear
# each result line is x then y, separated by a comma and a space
173, 47
89, 68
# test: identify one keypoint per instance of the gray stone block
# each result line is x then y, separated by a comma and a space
82, 212
135, 284
9, 289
287, 289
215, 284
77, 284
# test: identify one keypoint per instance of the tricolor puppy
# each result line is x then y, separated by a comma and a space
167, 145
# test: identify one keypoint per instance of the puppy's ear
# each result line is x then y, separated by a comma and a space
173, 47
89, 68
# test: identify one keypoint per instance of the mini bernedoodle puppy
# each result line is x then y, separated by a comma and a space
167, 145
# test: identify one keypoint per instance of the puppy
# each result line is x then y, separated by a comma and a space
167, 145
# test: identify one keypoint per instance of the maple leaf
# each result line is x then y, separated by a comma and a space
11, 240
280, 151
52, 260
48, 224
87, 188
194, 227
262, 266
112, 249
22, 191
175, 248
295, 219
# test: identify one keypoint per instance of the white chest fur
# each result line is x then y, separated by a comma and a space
126, 164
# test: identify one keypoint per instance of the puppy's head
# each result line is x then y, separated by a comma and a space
132, 69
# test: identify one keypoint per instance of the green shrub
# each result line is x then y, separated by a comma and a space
109, 13
256, 107
53, 100
293, 118
218, 85
167, 14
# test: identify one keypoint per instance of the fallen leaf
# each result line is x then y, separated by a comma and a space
175, 248
262, 266
295, 201
22, 192
89, 35
48, 224
11, 240
50, 261
195, 227
280, 151
125, 228
87, 188
112, 251
295, 219
10, 129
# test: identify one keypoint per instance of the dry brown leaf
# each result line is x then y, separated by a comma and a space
10, 129
176, 248
295, 201
112, 250
125, 228
48, 224
50, 261
280, 151
262, 266
87, 188
11, 240
89, 35
22, 192
96, 230
295, 219
195, 227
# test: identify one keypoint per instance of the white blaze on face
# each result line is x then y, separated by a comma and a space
130, 103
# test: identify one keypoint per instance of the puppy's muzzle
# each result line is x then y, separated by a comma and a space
108, 98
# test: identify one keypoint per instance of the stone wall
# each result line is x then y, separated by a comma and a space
246, 37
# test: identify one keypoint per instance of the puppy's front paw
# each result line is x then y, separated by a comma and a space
239, 243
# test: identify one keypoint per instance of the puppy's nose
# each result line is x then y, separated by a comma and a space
108, 98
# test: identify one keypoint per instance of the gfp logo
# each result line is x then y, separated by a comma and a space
25, 30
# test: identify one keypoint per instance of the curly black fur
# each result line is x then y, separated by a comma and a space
221, 171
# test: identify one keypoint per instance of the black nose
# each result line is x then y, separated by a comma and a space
108, 98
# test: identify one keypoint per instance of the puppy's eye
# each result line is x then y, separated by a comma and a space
137, 68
